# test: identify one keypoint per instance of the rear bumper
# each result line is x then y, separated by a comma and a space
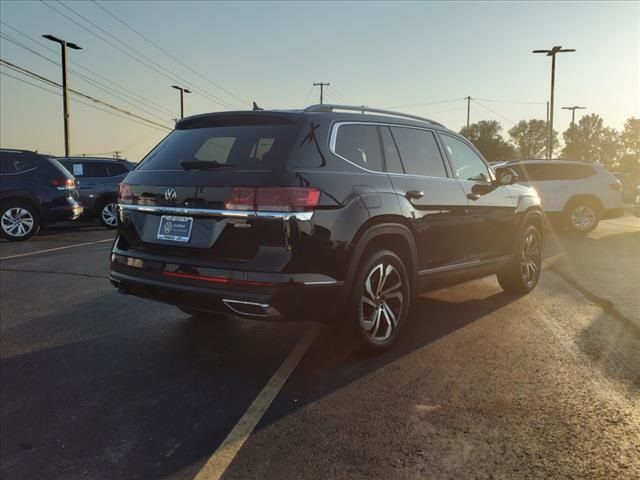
246, 294
63, 214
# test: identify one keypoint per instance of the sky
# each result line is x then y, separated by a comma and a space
418, 57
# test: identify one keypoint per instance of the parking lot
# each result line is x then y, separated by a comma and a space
482, 384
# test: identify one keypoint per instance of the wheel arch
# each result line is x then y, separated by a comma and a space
587, 198
392, 235
23, 198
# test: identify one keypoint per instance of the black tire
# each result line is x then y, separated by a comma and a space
582, 216
107, 214
202, 314
522, 275
19, 221
370, 308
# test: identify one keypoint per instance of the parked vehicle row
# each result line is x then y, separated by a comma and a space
38, 190
574, 194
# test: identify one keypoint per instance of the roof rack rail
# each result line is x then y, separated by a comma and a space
327, 107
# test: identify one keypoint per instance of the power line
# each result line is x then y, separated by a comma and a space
172, 77
106, 90
306, 99
435, 102
337, 94
510, 101
210, 97
77, 100
134, 96
473, 99
88, 97
169, 54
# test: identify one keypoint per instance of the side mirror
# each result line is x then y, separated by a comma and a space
506, 176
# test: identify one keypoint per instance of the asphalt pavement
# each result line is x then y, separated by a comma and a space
98, 385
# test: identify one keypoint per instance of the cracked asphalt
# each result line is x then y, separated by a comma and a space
482, 385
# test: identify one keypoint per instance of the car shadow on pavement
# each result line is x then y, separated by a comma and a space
337, 359
613, 350
153, 399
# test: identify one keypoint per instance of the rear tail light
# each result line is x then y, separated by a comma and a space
125, 193
273, 199
64, 183
616, 186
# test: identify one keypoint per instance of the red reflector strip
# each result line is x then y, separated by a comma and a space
221, 280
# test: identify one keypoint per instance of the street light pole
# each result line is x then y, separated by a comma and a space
182, 92
573, 112
552, 53
65, 93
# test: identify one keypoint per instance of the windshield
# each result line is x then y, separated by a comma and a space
247, 147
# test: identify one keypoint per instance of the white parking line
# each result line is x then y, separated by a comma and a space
55, 249
229, 448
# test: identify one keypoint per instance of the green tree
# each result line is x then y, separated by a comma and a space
591, 141
630, 148
530, 138
486, 137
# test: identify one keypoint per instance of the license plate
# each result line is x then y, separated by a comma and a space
176, 229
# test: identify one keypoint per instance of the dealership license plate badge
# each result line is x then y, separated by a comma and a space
175, 229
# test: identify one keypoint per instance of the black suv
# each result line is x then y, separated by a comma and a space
332, 211
98, 180
35, 190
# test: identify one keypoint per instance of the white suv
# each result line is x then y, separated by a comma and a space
577, 194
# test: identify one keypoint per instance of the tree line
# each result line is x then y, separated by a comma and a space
588, 140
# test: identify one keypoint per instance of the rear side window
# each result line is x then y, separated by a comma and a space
419, 152
14, 163
245, 146
95, 170
115, 169
549, 172
360, 144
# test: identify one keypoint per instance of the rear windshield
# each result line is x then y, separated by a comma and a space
246, 147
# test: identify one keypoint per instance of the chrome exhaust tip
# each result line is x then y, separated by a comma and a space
250, 309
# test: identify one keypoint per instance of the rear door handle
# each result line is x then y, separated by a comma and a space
414, 194
473, 196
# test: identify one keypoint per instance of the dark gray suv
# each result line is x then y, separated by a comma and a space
98, 180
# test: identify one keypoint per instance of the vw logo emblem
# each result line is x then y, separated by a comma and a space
170, 195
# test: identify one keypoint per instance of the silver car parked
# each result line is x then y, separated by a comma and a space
98, 180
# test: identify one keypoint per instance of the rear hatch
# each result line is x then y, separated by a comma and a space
209, 164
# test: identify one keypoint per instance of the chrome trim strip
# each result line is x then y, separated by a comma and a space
206, 212
268, 309
19, 173
334, 136
458, 266
322, 282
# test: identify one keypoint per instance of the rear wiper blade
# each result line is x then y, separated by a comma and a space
204, 165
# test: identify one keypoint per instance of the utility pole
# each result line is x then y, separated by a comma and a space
573, 112
547, 111
65, 94
182, 92
321, 85
468, 99
552, 53
116, 154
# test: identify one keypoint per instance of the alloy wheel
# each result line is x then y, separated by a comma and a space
108, 214
17, 222
530, 259
583, 217
381, 302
